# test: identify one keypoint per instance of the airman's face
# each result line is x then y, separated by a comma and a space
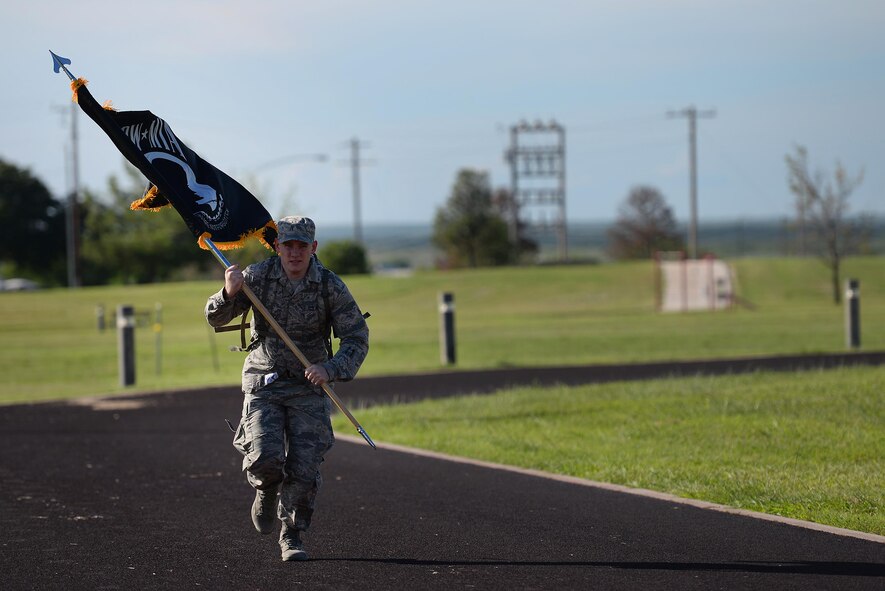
295, 257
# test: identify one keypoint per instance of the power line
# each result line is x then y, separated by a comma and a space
289, 160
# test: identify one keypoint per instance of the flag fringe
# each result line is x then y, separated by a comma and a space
149, 201
230, 235
257, 233
75, 85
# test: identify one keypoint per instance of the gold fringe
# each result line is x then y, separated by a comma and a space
149, 201
75, 84
239, 243
108, 105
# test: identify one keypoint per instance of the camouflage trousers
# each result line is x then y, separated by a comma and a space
283, 435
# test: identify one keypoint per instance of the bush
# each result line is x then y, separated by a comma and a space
345, 257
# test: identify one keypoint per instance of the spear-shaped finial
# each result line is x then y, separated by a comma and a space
59, 62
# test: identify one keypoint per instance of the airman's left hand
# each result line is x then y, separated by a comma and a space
317, 375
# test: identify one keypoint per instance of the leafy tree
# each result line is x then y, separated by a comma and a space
251, 252
504, 204
468, 229
122, 246
822, 213
644, 226
345, 257
33, 238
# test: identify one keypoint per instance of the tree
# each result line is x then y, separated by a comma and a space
644, 226
822, 210
33, 238
345, 257
504, 204
122, 246
468, 229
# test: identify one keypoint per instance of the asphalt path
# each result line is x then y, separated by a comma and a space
407, 388
146, 492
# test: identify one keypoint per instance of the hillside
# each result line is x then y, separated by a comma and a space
410, 245
505, 317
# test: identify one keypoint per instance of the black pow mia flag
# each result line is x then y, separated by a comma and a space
212, 204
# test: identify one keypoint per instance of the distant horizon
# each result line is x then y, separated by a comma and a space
876, 217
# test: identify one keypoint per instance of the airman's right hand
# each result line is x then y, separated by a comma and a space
233, 281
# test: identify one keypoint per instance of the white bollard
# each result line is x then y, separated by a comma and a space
447, 328
126, 344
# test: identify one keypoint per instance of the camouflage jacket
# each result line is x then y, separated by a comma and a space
299, 307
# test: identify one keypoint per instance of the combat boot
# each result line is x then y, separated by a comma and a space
264, 510
291, 544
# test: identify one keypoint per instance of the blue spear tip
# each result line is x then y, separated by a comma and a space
59, 63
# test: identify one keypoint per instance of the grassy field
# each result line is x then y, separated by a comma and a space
808, 445
504, 317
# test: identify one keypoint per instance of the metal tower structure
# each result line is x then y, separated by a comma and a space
537, 181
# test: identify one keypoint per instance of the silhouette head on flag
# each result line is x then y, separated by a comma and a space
212, 204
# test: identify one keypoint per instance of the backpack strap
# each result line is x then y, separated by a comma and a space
260, 327
244, 324
327, 329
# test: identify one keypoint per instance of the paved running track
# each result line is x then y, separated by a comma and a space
145, 492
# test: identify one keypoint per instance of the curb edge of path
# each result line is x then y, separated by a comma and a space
839, 531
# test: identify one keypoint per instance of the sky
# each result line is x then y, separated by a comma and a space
429, 88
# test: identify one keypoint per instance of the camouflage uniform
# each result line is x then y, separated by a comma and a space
285, 428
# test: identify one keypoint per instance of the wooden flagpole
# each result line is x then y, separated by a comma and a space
260, 308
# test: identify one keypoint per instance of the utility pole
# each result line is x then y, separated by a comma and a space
72, 216
355, 164
692, 114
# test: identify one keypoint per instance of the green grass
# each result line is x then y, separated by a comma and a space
504, 317
807, 445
